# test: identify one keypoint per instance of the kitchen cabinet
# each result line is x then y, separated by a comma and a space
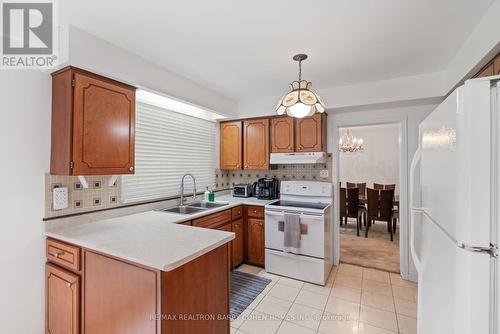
310, 133
282, 135
256, 144
214, 220
496, 65
238, 244
231, 137
255, 241
93, 124
62, 302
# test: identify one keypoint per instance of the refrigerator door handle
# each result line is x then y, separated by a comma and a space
414, 210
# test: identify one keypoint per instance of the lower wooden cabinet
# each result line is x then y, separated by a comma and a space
62, 303
255, 241
238, 243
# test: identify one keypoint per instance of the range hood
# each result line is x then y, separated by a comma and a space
298, 158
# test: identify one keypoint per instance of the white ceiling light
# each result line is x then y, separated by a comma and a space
179, 106
301, 101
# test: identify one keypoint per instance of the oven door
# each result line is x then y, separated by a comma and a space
312, 238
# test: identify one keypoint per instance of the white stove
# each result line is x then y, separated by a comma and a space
313, 260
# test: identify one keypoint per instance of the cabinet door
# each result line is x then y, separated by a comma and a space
282, 136
238, 242
486, 72
228, 228
496, 65
255, 241
103, 127
230, 145
256, 144
310, 133
62, 303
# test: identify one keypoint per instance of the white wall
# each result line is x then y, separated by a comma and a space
24, 148
379, 161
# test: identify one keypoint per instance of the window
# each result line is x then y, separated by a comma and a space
168, 145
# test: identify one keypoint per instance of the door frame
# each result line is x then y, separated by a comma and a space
343, 120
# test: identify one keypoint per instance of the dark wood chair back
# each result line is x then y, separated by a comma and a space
343, 202
373, 198
386, 206
361, 186
378, 186
351, 185
389, 186
352, 202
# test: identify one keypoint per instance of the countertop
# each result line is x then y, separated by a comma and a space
152, 238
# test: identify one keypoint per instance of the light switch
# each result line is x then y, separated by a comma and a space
60, 198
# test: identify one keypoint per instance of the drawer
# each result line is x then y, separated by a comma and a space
215, 220
255, 211
236, 213
63, 254
227, 227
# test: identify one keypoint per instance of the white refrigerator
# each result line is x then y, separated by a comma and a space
454, 194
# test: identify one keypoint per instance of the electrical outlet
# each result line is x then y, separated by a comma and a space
323, 173
60, 198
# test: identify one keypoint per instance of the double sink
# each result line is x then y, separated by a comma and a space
192, 208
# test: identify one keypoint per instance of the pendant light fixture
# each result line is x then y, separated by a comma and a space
350, 144
300, 101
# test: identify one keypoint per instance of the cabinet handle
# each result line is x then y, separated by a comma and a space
57, 254
246, 166
68, 285
131, 168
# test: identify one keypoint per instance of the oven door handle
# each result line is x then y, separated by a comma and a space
282, 213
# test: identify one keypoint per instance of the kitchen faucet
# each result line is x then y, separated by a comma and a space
182, 187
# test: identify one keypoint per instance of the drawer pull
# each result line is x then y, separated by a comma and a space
57, 254
68, 285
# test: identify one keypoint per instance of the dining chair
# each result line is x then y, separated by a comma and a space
353, 206
378, 186
389, 186
343, 205
380, 208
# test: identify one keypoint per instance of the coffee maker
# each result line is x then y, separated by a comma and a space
267, 188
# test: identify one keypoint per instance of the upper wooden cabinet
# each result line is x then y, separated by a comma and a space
282, 135
492, 68
231, 137
496, 65
93, 124
256, 144
310, 133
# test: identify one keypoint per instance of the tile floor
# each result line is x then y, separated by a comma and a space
354, 300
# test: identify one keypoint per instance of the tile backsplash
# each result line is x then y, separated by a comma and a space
99, 195
310, 172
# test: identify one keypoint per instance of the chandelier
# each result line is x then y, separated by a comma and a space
300, 101
350, 144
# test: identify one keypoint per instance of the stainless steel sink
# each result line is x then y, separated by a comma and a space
184, 210
207, 205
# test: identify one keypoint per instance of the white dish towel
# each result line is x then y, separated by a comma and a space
292, 234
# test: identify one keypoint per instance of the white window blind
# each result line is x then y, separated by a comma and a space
168, 145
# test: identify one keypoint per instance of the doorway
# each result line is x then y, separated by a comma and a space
368, 167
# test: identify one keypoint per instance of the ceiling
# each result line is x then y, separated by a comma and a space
244, 49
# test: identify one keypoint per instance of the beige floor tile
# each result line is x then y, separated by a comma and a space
406, 307
342, 292
246, 268
396, 279
291, 282
305, 316
378, 318
234, 330
405, 293
368, 329
260, 323
376, 275
377, 287
333, 325
376, 300
324, 290
311, 299
349, 281
236, 323
291, 328
342, 307
284, 292
407, 325
274, 278
349, 269
274, 306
